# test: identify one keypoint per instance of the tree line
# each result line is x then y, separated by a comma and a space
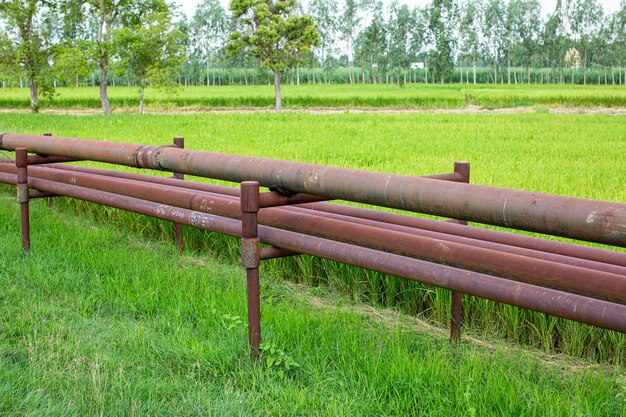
49, 43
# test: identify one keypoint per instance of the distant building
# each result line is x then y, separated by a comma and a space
417, 65
572, 58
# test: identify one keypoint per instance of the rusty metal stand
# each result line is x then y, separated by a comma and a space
462, 168
179, 142
49, 200
250, 259
21, 165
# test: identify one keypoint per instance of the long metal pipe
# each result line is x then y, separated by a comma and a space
600, 259
575, 307
589, 220
504, 238
314, 209
601, 285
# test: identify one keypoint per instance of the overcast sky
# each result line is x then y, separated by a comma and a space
547, 6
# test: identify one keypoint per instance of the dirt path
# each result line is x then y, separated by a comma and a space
341, 110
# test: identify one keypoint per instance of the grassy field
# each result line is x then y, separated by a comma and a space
577, 155
304, 96
98, 321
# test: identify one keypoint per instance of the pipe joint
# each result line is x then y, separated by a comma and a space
250, 252
22, 193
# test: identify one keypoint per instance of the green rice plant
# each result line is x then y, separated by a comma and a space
408, 96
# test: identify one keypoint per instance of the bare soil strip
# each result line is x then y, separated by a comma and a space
341, 110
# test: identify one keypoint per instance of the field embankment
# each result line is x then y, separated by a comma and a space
409, 96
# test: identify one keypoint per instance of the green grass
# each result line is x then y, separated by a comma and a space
98, 321
421, 96
577, 155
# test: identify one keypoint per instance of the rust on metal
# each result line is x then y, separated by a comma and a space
555, 274
577, 218
558, 303
250, 259
462, 170
250, 252
271, 252
179, 142
21, 168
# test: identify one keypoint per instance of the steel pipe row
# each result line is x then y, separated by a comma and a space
557, 272
558, 303
575, 252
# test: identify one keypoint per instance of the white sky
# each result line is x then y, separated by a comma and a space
547, 6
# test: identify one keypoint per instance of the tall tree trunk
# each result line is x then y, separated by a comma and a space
141, 93
474, 64
495, 71
585, 68
104, 78
508, 68
277, 90
34, 95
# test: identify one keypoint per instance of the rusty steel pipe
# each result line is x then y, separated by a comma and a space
547, 256
179, 142
576, 253
504, 238
314, 209
605, 286
509, 239
250, 259
570, 306
21, 168
272, 252
462, 170
577, 218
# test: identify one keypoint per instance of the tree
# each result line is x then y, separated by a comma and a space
150, 49
495, 32
209, 31
272, 33
371, 44
26, 44
471, 27
586, 16
350, 21
555, 38
442, 26
401, 20
618, 41
325, 15
523, 26
106, 14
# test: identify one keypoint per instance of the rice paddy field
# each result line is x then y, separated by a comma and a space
105, 318
409, 96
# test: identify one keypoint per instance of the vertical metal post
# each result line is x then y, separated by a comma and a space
21, 165
250, 259
179, 142
49, 200
462, 168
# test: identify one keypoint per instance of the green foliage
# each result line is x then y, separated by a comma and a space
150, 50
444, 15
271, 32
27, 45
277, 360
